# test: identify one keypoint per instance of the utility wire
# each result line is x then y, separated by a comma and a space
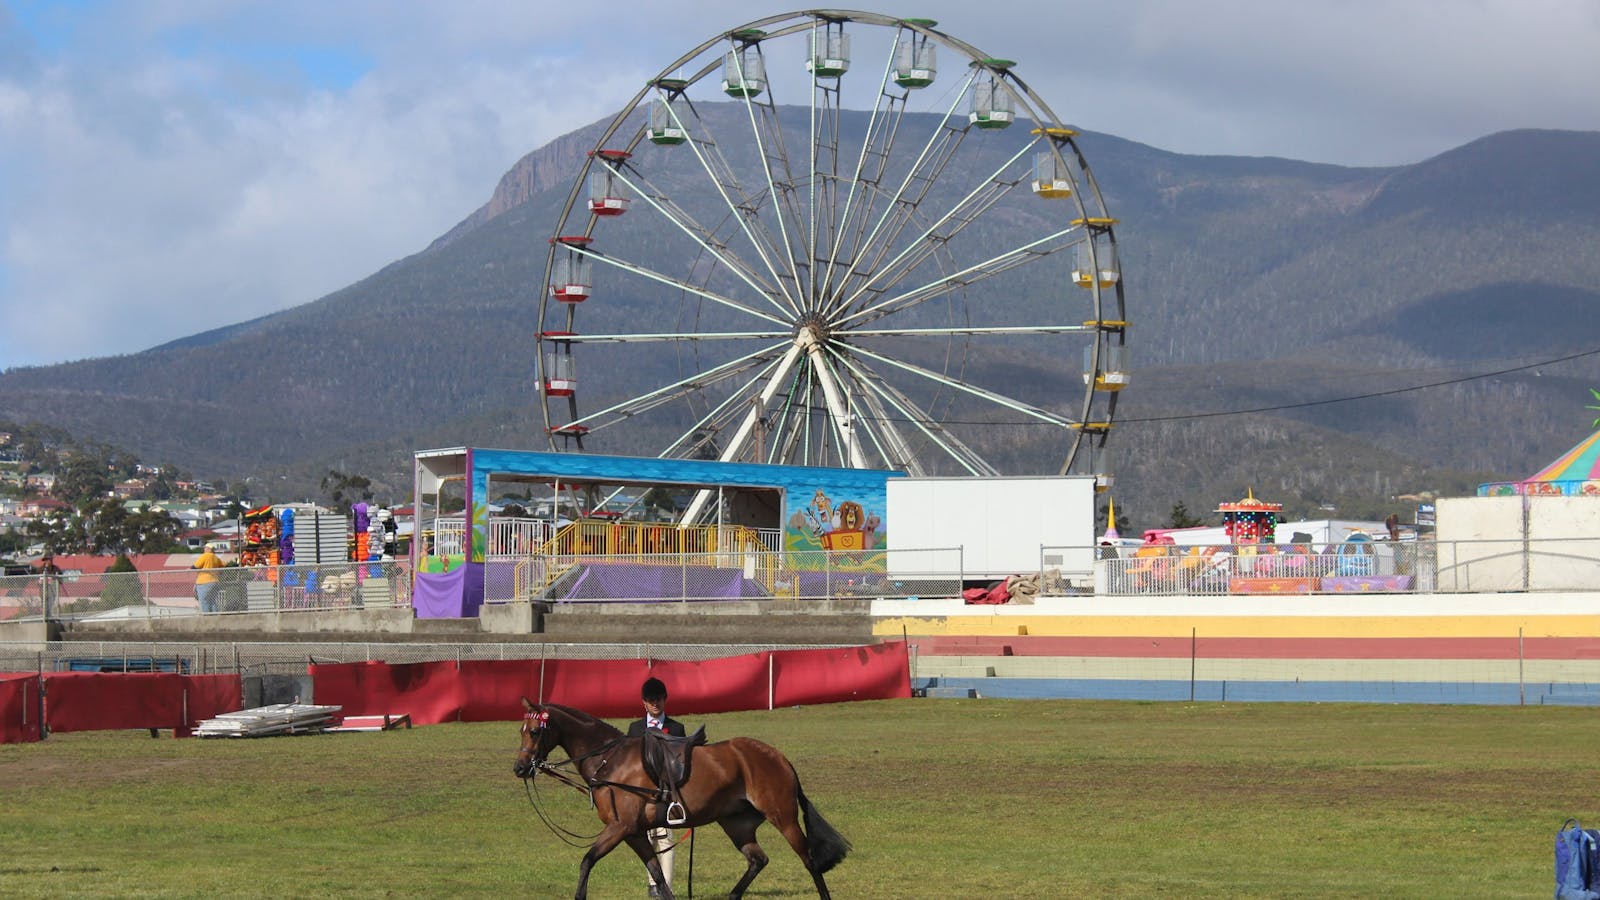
1388, 393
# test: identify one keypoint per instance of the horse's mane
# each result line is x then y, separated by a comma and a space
584, 718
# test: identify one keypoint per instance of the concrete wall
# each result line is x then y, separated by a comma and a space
1519, 543
1480, 544
1564, 533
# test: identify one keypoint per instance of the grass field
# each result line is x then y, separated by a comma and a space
953, 798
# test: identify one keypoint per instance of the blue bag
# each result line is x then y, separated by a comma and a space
1577, 862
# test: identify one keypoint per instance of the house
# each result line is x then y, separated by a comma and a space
196, 539
42, 506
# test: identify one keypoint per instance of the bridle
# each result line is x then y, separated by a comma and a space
533, 726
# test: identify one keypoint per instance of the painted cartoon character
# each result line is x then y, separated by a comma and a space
851, 516
823, 507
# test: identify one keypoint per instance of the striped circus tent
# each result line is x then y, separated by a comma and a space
1573, 473
1576, 471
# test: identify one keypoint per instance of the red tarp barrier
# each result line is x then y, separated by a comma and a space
729, 684
608, 688
429, 692
874, 672
491, 690
19, 708
95, 701
211, 696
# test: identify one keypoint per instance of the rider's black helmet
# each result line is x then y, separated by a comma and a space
654, 690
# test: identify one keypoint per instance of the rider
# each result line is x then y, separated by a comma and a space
654, 695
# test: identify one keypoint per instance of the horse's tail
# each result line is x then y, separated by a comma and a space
826, 846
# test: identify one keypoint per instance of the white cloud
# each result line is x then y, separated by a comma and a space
174, 166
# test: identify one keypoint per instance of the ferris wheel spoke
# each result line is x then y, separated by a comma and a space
870, 165
775, 376
879, 428
742, 207
994, 397
702, 236
675, 336
678, 283
914, 414
677, 389
892, 447
768, 136
885, 275
711, 423
978, 272
869, 252
785, 424
985, 330
847, 443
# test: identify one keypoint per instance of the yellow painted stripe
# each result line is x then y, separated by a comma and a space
1246, 626
1586, 671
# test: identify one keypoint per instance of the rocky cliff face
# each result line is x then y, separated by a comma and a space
550, 167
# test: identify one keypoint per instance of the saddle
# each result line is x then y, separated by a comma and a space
666, 762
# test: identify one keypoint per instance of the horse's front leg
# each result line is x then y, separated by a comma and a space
608, 840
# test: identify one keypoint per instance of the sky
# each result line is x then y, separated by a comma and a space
172, 166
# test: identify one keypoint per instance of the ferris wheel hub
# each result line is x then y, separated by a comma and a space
813, 329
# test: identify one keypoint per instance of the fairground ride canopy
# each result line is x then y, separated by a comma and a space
1573, 473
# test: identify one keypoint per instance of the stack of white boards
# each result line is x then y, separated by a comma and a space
265, 721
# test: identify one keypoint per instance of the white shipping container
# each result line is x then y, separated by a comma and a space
1000, 524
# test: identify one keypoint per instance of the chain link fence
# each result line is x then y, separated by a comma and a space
293, 658
1354, 566
325, 586
742, 574
755, 573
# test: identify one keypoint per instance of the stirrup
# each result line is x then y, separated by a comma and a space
676, 814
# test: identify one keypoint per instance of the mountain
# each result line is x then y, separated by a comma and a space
1252, 283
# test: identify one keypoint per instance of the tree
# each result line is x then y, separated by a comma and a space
343, 490
1181, 518
82, 478
121, 585
60, 533
160, 487
104, 525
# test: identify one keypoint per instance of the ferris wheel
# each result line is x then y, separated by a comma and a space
836, 238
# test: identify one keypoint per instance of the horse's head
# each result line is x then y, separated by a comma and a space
539, 737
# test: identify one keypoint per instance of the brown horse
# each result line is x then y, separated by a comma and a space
737, 783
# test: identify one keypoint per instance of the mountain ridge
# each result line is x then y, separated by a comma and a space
1324, 275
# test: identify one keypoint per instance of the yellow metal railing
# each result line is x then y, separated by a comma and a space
654, 543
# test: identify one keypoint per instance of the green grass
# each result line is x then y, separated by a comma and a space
978, 798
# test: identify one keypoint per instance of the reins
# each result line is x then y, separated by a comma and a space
567, 836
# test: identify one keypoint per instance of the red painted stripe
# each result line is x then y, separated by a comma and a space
1169, 647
